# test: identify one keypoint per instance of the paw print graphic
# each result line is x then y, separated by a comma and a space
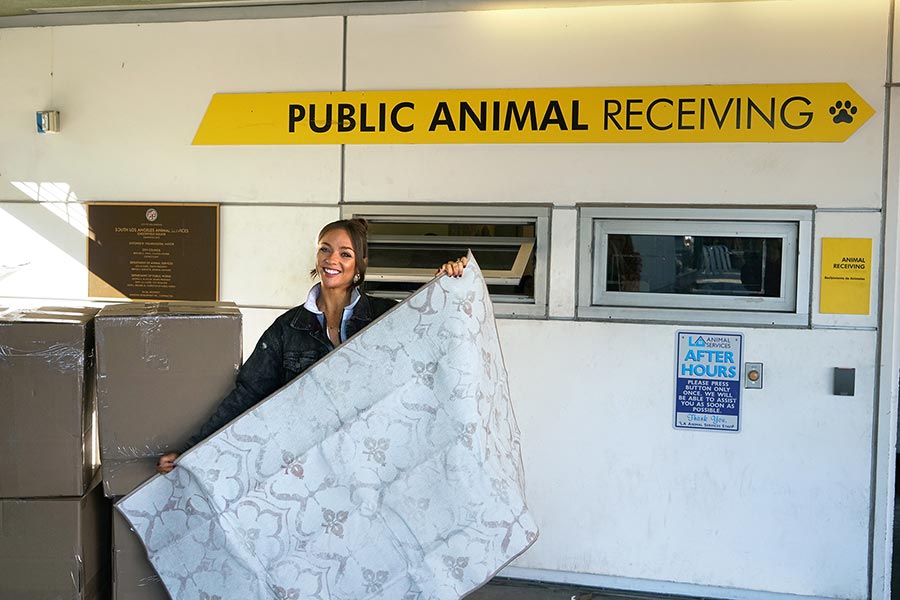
843, 111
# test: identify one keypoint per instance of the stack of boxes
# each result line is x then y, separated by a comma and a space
162, 370
152, 374
54, 521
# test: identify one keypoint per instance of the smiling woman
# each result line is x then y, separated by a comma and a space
335, 309
341, 261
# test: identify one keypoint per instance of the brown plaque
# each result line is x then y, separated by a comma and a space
153, 251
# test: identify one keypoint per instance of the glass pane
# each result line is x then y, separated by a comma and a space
507, 293
699, 265
453, 229
416, 255
431, 257
427, 256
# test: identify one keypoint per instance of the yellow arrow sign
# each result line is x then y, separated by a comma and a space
804, 112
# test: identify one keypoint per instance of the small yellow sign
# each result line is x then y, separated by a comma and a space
803, 112
846, 276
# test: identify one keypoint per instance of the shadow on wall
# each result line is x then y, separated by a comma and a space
61, 220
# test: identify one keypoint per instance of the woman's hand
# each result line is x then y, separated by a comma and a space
166, 463
454, 268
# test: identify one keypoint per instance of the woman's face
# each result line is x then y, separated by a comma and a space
336, 260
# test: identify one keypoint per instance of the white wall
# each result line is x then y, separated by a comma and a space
783, 506
647, 44
130, 98
780, 506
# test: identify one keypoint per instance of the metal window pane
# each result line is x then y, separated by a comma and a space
407, 243
408, 258
688, 264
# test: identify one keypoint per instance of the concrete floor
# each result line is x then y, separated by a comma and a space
501, 588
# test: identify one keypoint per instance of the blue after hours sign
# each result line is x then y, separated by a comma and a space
708, 381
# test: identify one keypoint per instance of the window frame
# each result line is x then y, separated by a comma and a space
792, 225
509, 276
538, 214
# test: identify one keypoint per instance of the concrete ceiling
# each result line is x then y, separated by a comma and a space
35, 13
14, 8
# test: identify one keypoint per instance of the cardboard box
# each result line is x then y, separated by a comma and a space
162, 369
133, 576
46, 402
55, 548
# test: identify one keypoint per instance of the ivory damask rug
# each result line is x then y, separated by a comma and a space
390, 469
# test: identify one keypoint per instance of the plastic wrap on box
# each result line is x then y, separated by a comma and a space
162, 369
47, 436
55, 548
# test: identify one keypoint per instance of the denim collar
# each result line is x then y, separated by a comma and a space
307, 318
313, 297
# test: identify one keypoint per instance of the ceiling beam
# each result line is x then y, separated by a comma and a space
48, 16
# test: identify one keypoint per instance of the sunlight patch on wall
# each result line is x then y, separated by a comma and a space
39, 255
59, 199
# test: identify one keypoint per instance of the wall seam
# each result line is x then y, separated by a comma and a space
164, 202
343, 171
883, 570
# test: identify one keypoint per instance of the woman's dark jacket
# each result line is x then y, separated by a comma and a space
292, 344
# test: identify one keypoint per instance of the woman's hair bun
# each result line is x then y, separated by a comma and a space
361, 222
